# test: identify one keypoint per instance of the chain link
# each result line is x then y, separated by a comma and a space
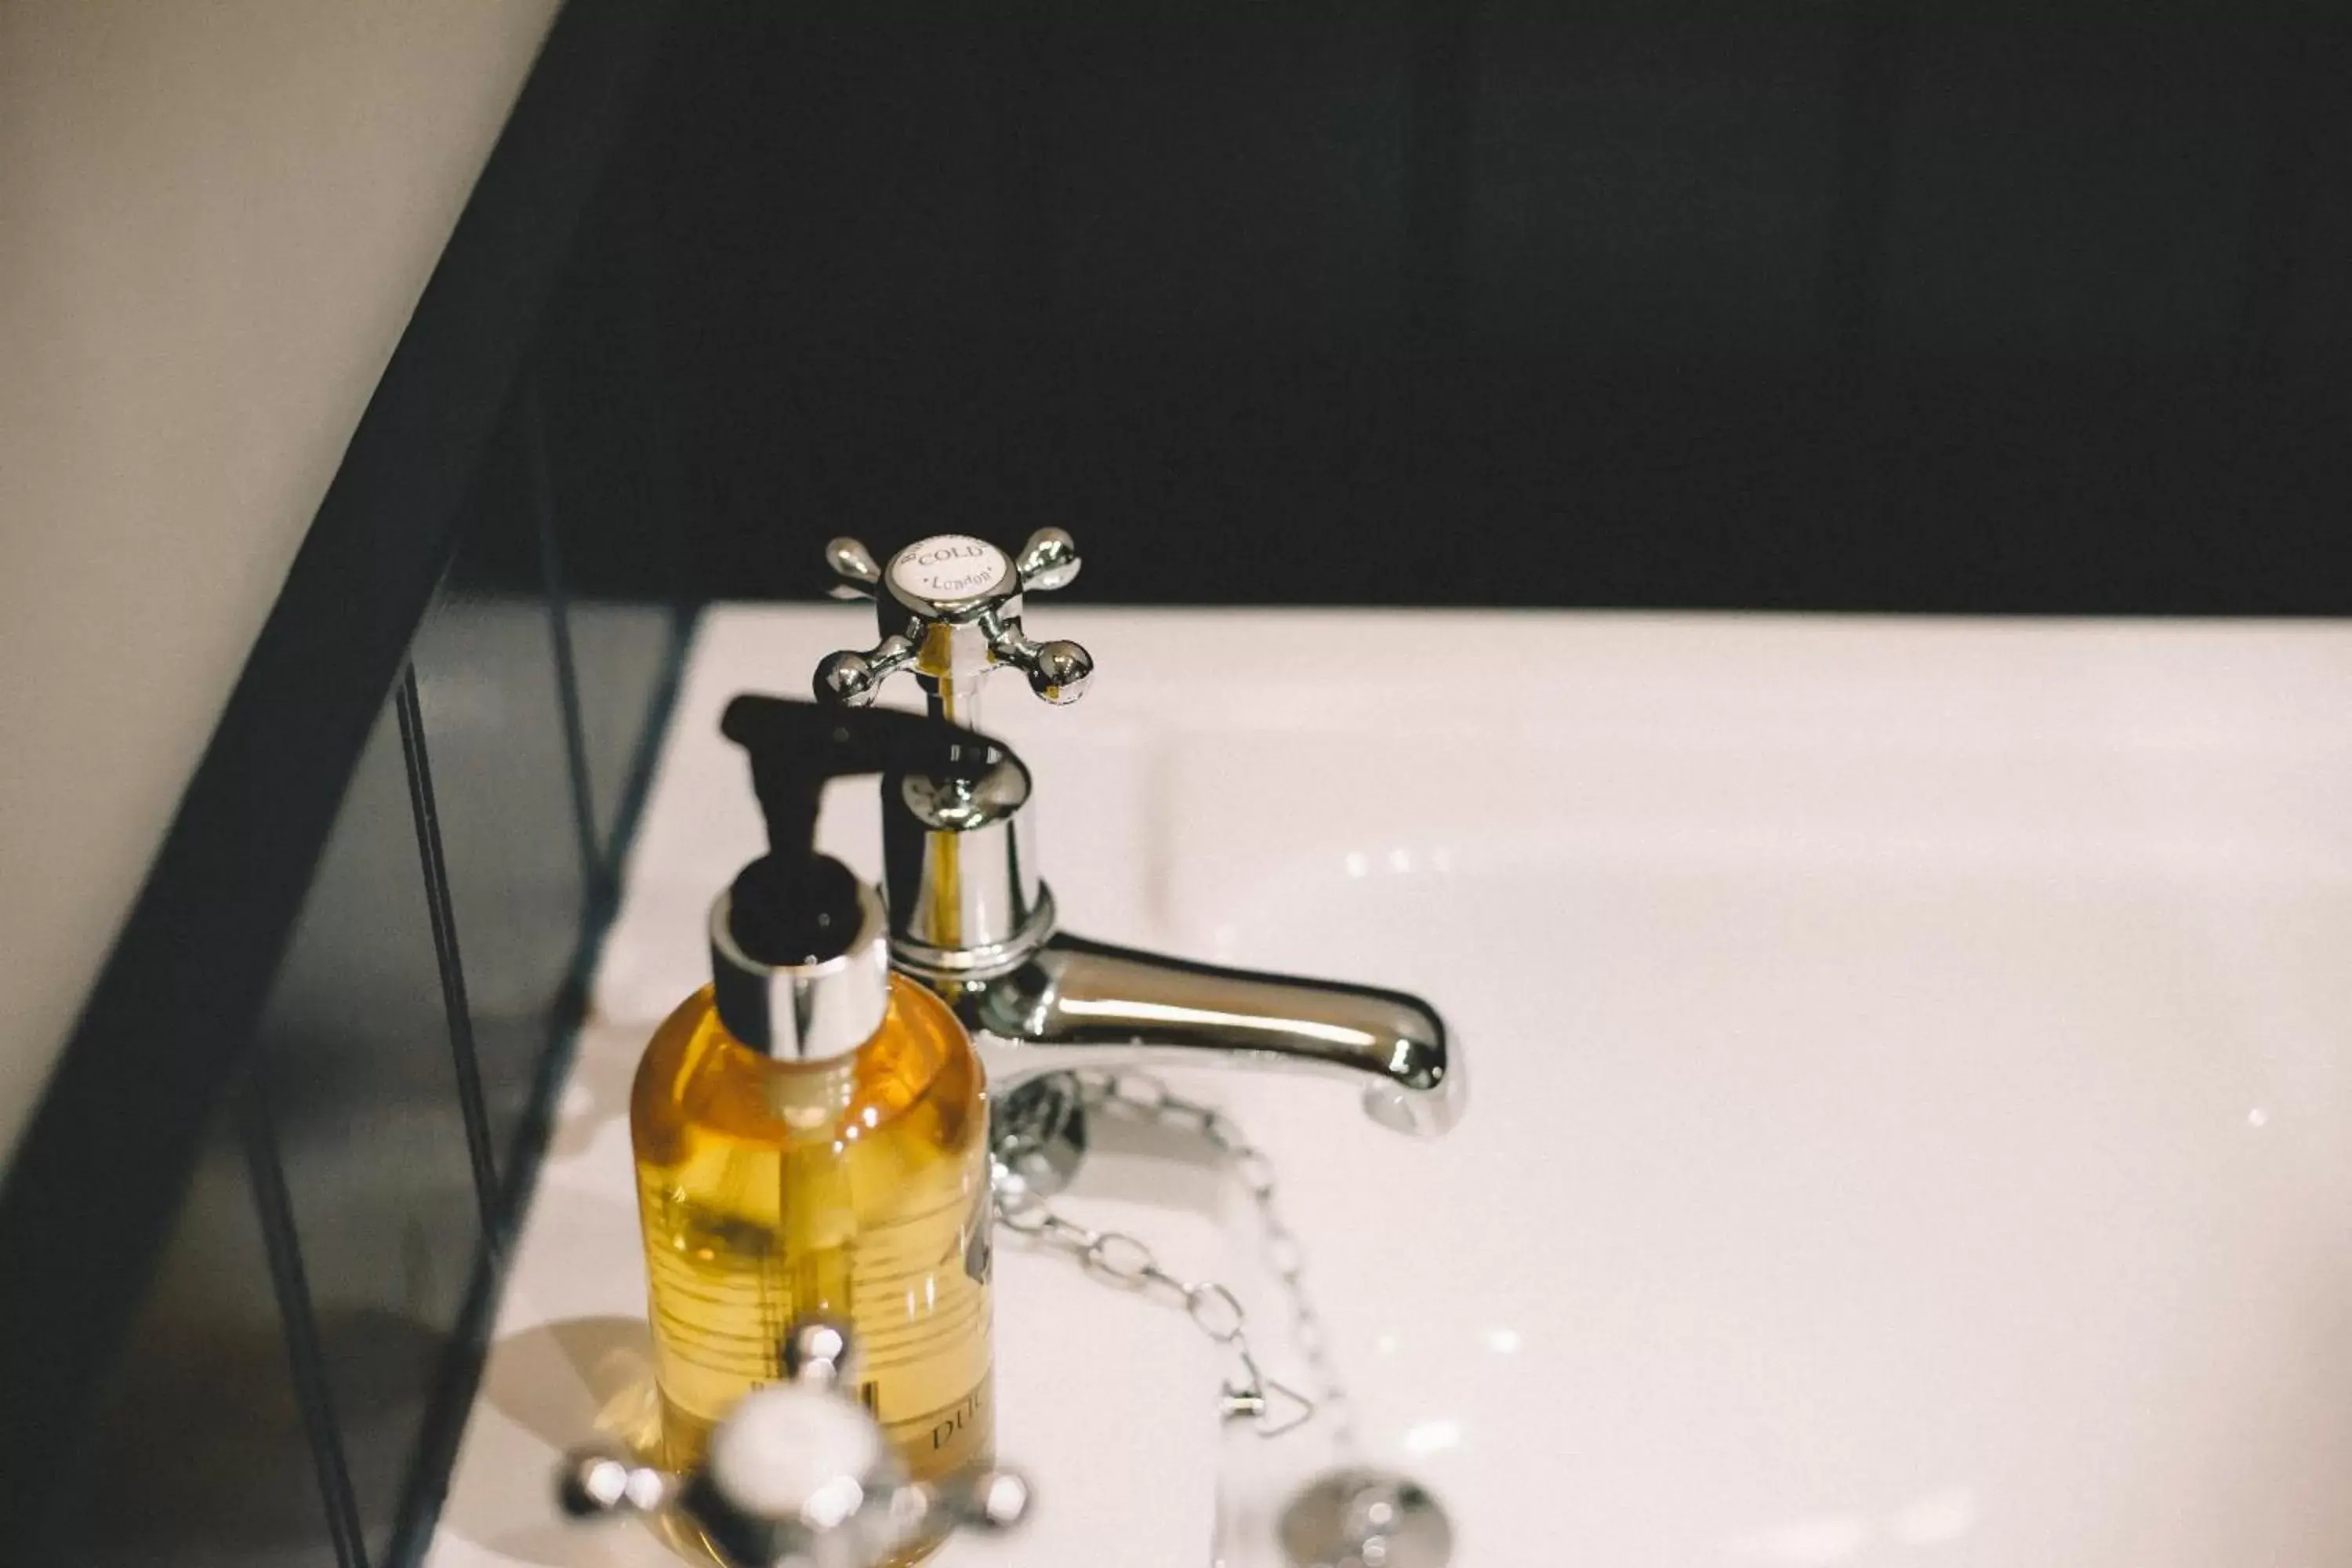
1127, 1263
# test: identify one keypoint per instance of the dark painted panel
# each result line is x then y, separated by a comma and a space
1238, 174
2304, 286
492, 702
2318, 288
201, 1458
627, 655
1840, 306
599, 440
596, 420
598, 432
836, 271
1652, 178
857, 179
355, 1051
2066, 189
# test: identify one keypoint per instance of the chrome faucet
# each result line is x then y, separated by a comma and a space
971, 917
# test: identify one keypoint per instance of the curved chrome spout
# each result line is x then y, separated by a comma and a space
1074, 1004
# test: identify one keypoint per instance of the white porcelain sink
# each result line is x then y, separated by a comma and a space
1911, 1081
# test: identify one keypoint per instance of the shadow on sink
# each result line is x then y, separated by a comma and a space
554, 1387
597, 1091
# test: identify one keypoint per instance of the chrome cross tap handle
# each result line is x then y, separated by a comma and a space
949, 606
1049, 561
799, 1475
853, 564
854, 678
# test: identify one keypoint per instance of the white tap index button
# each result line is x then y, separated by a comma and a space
948, 568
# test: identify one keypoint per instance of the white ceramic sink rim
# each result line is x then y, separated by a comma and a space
1908, 809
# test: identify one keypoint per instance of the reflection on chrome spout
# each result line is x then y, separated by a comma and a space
1074, 1004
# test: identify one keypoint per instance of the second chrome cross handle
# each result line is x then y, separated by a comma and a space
799, 1474
948, 608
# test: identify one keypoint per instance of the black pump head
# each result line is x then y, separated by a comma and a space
794, 906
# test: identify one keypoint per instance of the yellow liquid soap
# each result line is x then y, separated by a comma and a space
856, 1189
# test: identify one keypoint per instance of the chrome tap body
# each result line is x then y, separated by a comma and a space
970, 915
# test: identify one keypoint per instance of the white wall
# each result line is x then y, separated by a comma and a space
216, 216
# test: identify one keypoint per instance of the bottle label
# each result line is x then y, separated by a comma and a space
949, 567
948, 1440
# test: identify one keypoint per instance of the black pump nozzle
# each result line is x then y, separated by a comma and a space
794, 906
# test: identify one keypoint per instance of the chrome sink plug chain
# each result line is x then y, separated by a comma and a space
1127, 1263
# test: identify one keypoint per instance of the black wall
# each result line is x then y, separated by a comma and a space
1860, 306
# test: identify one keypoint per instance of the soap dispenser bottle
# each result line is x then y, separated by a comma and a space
811, 1131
